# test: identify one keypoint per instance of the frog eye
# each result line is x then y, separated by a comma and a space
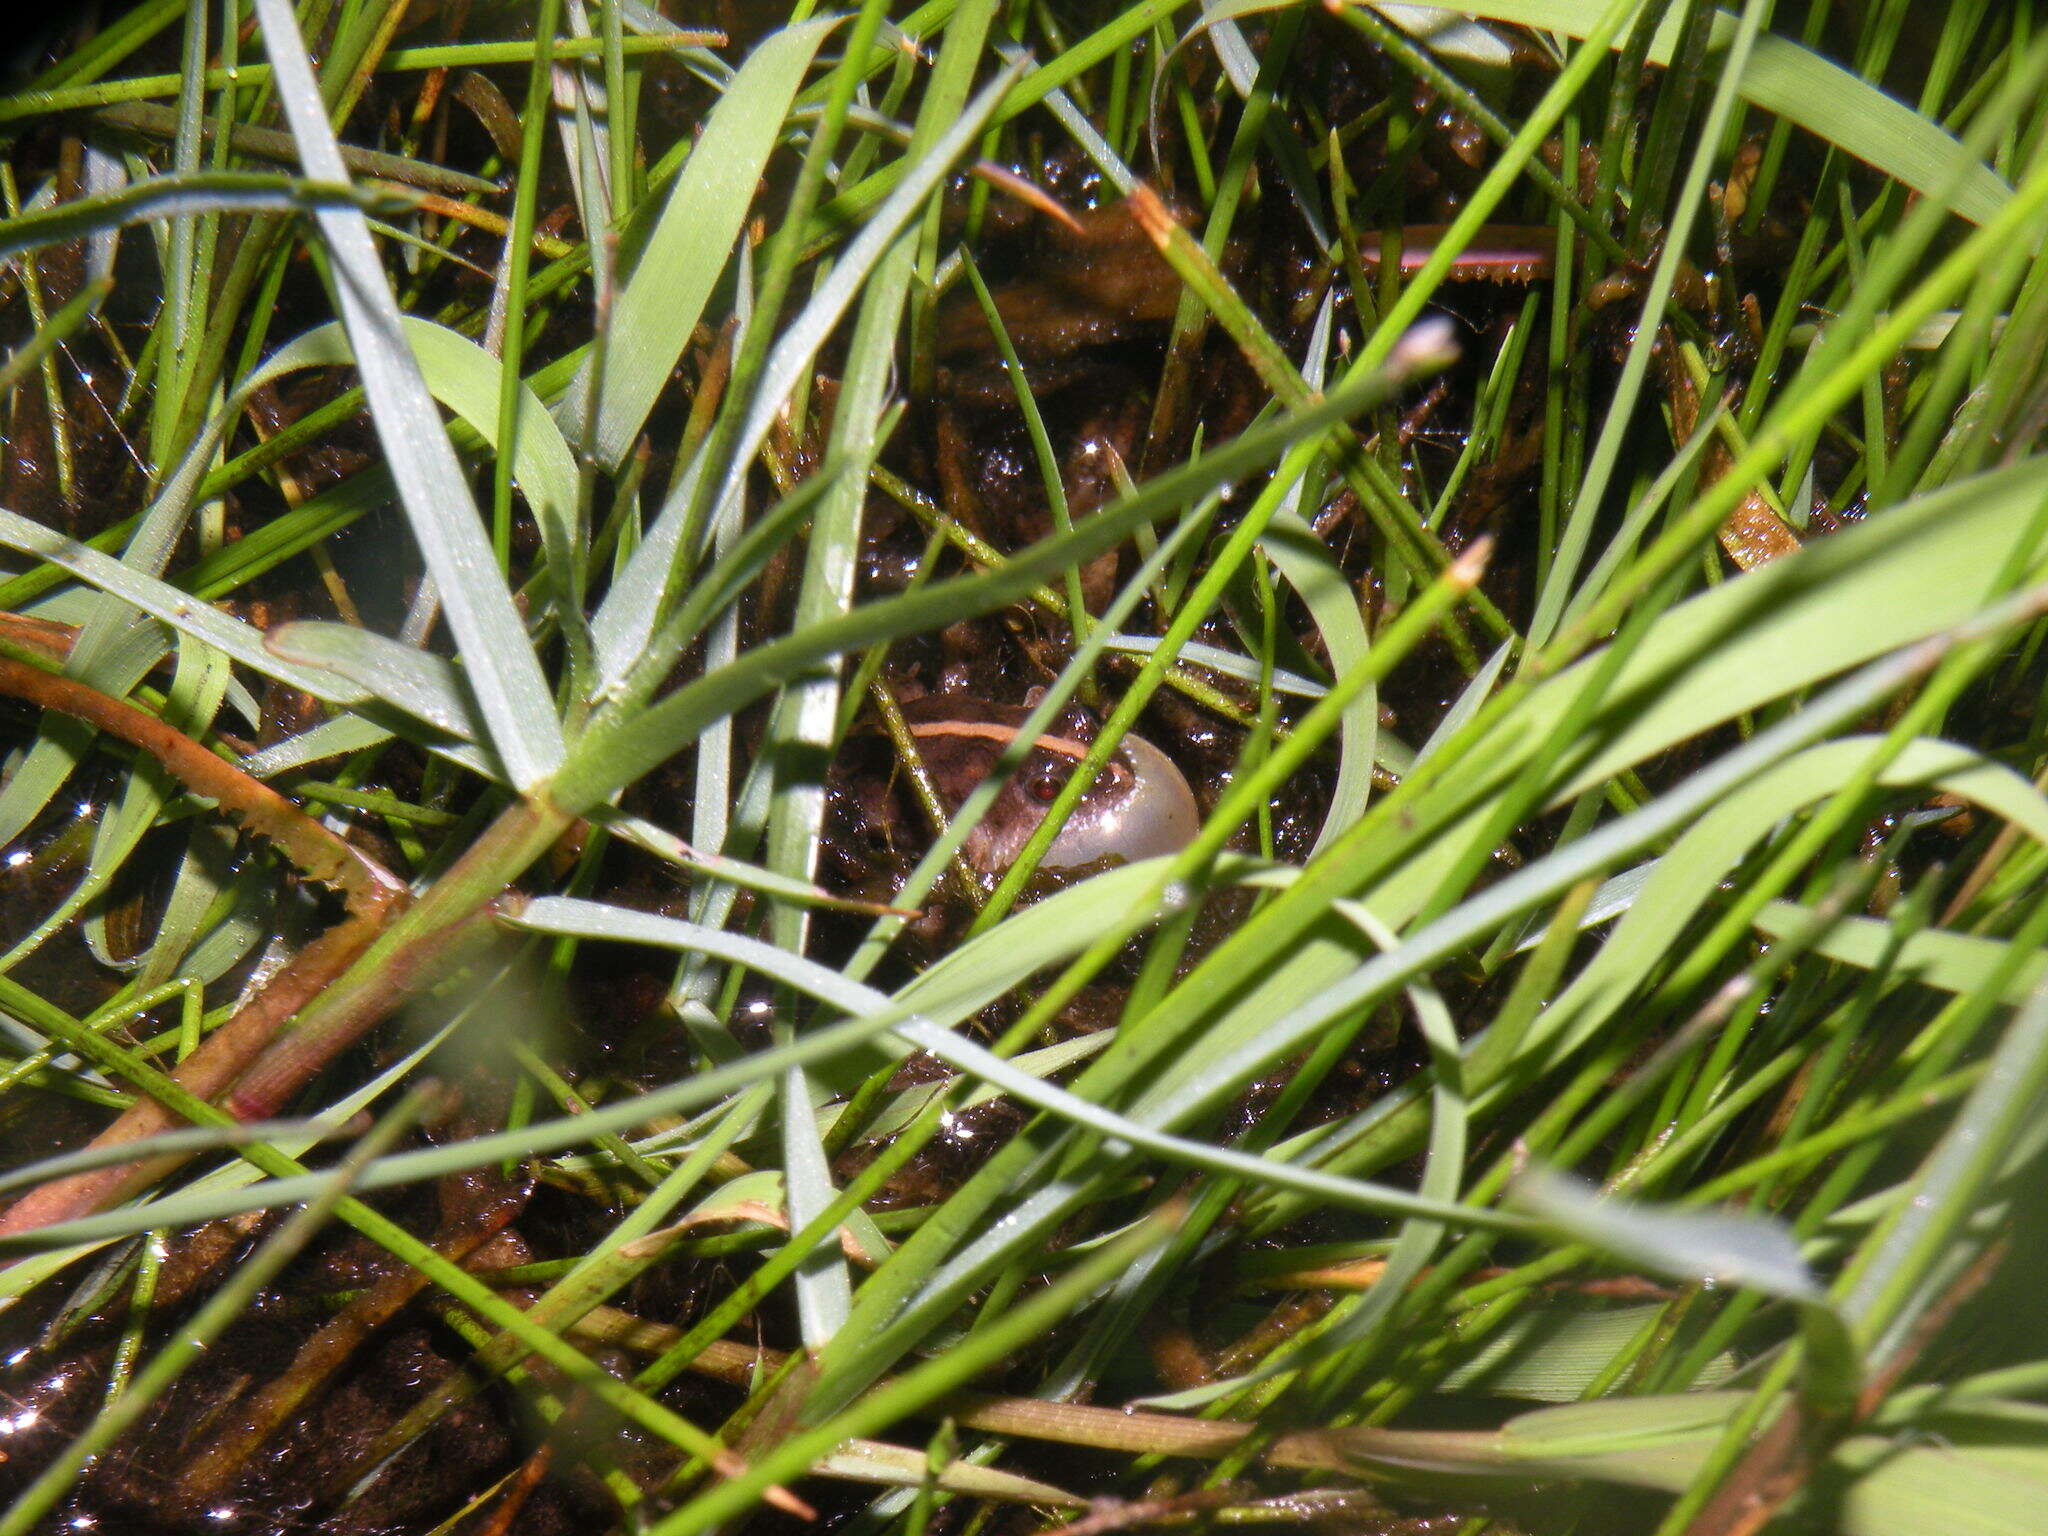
1153, 812
1043, 783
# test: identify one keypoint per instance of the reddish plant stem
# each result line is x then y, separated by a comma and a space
1502, 253
986, 730
366, 887
370, 893
206, 1073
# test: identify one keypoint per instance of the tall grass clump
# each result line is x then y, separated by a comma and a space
525, 526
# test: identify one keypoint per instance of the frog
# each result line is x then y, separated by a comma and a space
1097, 278
1140, 805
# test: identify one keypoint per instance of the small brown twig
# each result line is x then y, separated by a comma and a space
504, 1519
987, 730
365, 886
227, 1450
1126, 1514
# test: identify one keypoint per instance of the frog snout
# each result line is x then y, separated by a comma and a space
1155, 814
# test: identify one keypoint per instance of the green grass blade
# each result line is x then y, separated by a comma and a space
511, 692
660, 302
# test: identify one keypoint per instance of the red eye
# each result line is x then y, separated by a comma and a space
1044, 790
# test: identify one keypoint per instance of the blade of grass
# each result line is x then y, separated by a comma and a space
511, 692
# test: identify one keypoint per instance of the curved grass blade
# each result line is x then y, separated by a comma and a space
197, 192
1686, 877
467, 379
423, 685
1041, 935
511, 692
558, 914
659, 305
625, 625
179, 609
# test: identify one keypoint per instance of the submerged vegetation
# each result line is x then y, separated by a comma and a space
1026, 767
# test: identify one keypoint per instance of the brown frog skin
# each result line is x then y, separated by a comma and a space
1095, 283
1139, 806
